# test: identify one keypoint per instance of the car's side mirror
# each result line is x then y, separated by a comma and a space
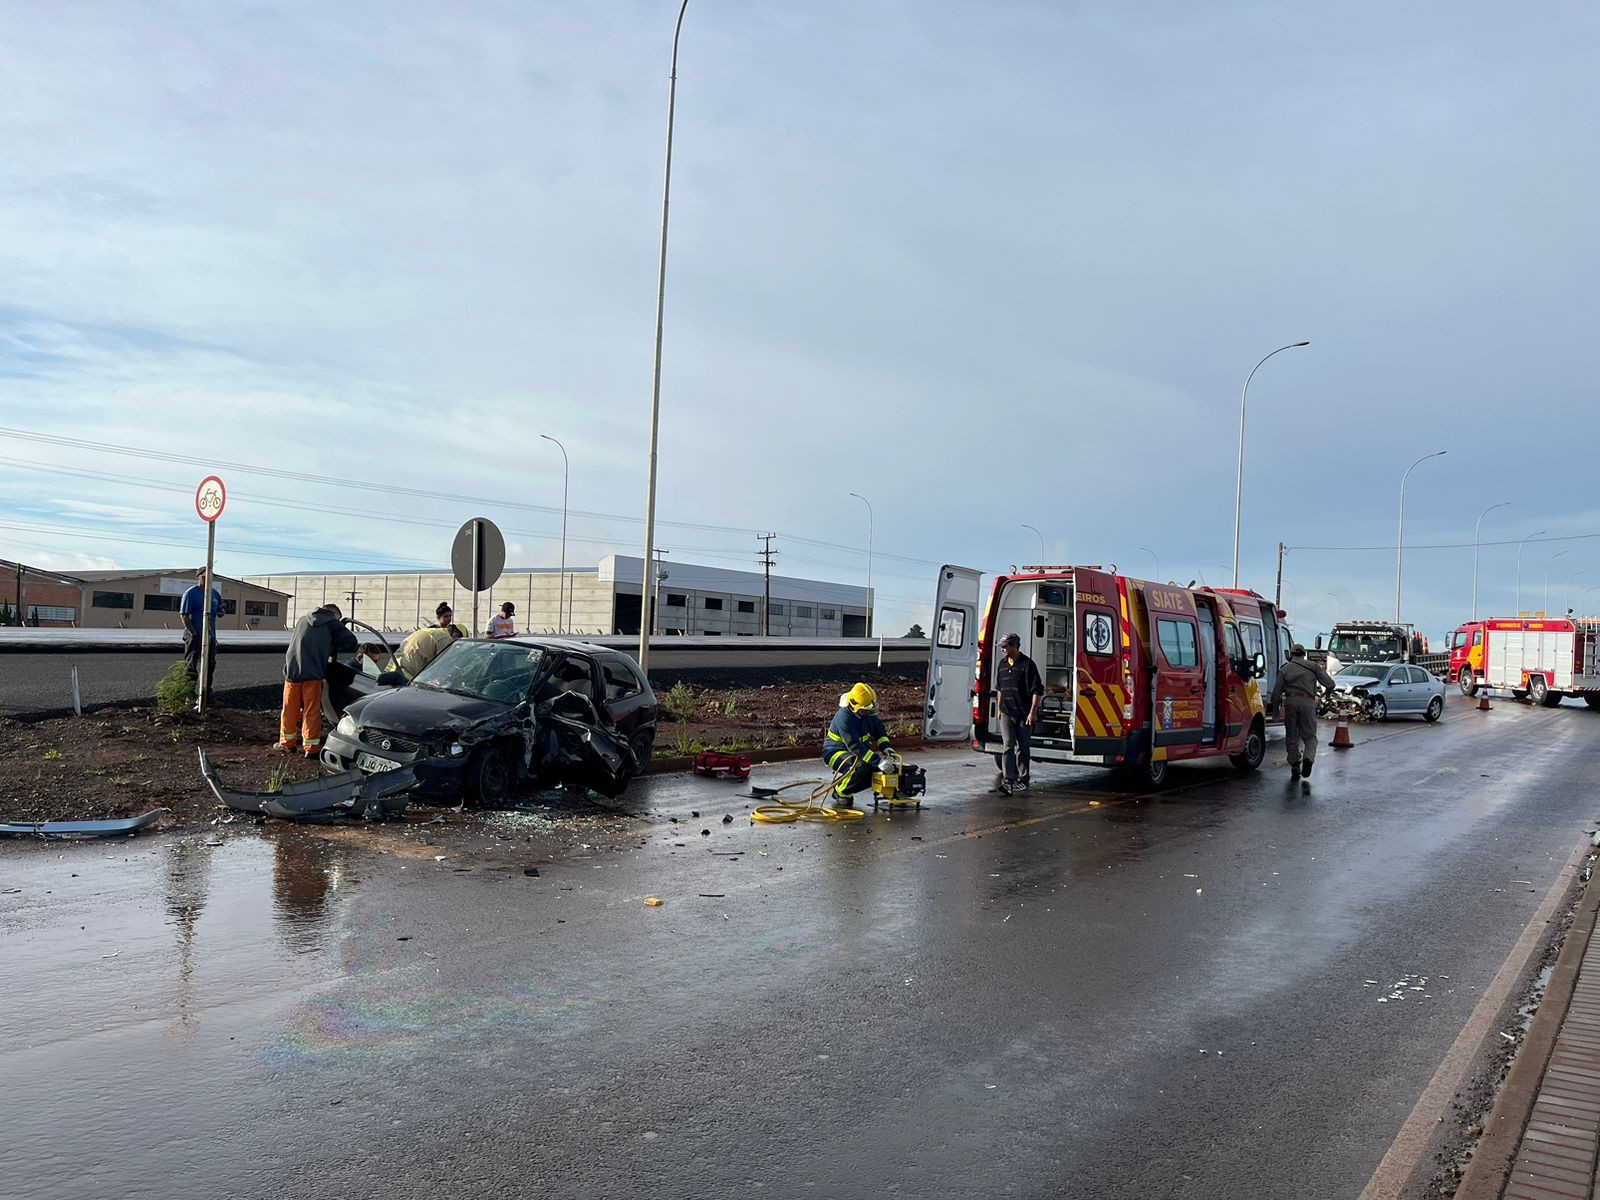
1260, 663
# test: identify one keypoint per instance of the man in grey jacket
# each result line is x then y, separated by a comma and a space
1297, 685
317, 637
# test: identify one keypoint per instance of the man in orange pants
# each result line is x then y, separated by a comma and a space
317, 637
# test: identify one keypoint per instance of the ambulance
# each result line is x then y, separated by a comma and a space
1538, 659
1137, 674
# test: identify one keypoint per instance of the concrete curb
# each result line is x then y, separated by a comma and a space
781, 754
1496, 1152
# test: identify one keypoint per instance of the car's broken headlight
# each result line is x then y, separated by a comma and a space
346, 726
456, 749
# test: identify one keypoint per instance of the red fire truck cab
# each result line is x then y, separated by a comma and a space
1136, 674
1537, 659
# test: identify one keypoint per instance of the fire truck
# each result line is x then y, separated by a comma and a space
1136, 674
1537, 659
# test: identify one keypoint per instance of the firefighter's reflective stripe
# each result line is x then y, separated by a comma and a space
1100, 714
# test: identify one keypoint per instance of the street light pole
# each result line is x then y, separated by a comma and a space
1551, 559
868, 503
1041, 543
566, 474
655, 387
1338, 608
1238, 493
1567, 598
1520, 545
1586, 592
1476, 532
1157, 559
1400, 543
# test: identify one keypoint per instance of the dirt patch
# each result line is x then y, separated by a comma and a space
127, 760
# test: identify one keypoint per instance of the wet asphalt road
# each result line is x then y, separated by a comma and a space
1068, 993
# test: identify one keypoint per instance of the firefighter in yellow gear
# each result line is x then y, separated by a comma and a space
857, 731
425, 645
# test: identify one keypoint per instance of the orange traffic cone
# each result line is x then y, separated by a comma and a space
1341, 735
1483, 700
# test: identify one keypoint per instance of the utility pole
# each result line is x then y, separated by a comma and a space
766, 554
352, 597
652, 626
1277, 599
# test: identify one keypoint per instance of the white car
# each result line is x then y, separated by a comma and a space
1396, 689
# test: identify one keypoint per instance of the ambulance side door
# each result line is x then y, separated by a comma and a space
1179, 692
953, 657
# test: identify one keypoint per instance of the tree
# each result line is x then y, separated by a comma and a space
6, 616
915, 632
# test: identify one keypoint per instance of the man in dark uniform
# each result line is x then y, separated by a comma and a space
1019, 688
1297, 688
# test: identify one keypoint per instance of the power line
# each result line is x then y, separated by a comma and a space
1572, 537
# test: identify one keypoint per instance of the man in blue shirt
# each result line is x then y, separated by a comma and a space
192, 609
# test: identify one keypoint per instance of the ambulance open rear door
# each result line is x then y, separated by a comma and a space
953, 657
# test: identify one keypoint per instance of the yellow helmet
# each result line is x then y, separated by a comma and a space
861, 698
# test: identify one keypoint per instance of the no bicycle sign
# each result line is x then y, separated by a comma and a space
210, 498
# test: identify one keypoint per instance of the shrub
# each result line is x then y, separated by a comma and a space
175, 691
676, 704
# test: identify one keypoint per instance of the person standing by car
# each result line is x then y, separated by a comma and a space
425, 645
317, 637
855, 743
1297, 685
443, 616
191, 608
1019, 689
500, 625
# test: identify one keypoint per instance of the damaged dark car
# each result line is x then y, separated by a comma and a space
488, 716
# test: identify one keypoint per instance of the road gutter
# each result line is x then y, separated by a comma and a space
1410, 1146
1496, 1152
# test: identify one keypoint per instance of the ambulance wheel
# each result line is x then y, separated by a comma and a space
1435, 710
1469, 685
1146, 776
1592, 699
1539, 691
1255, 749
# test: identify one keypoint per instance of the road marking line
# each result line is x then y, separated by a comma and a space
1411, 1144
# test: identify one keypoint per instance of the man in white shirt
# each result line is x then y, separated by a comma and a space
500, 625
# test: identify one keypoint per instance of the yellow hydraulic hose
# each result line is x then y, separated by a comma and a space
786, 812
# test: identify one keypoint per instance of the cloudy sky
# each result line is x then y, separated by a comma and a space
991, 265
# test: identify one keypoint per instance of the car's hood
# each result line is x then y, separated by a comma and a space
1346, 682
422, 710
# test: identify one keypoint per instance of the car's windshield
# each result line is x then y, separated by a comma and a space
487, 670
1365, 669
1382, 647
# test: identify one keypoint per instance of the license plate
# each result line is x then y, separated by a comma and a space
374, 764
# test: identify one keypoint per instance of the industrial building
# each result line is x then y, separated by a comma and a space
604, 599
129, 599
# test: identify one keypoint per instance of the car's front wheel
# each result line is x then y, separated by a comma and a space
1379, 707
489, 777
1435, 710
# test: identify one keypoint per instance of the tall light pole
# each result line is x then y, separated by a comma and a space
1041, 541
1476, 531
1238, 493
1373, 609
566, 474
1586, 593
1520, 545
1546, 605
1338, 607
1567, 599
655, 386
868, 503
1400, 543
1157, 559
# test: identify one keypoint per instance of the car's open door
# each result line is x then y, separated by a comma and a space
954, 655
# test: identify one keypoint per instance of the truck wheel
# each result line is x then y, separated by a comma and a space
1553, 699
1145, 776
1519, 693
1538, 690
1592, 699
1469, 685
1435, 710
1255, 749
488, 779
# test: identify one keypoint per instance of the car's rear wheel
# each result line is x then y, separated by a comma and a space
489, 777
1435, 710
1379, 708
1468, 683
1538, 690
1255, 749
643, 746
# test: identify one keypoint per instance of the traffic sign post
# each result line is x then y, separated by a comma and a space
477, 557
210, 498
